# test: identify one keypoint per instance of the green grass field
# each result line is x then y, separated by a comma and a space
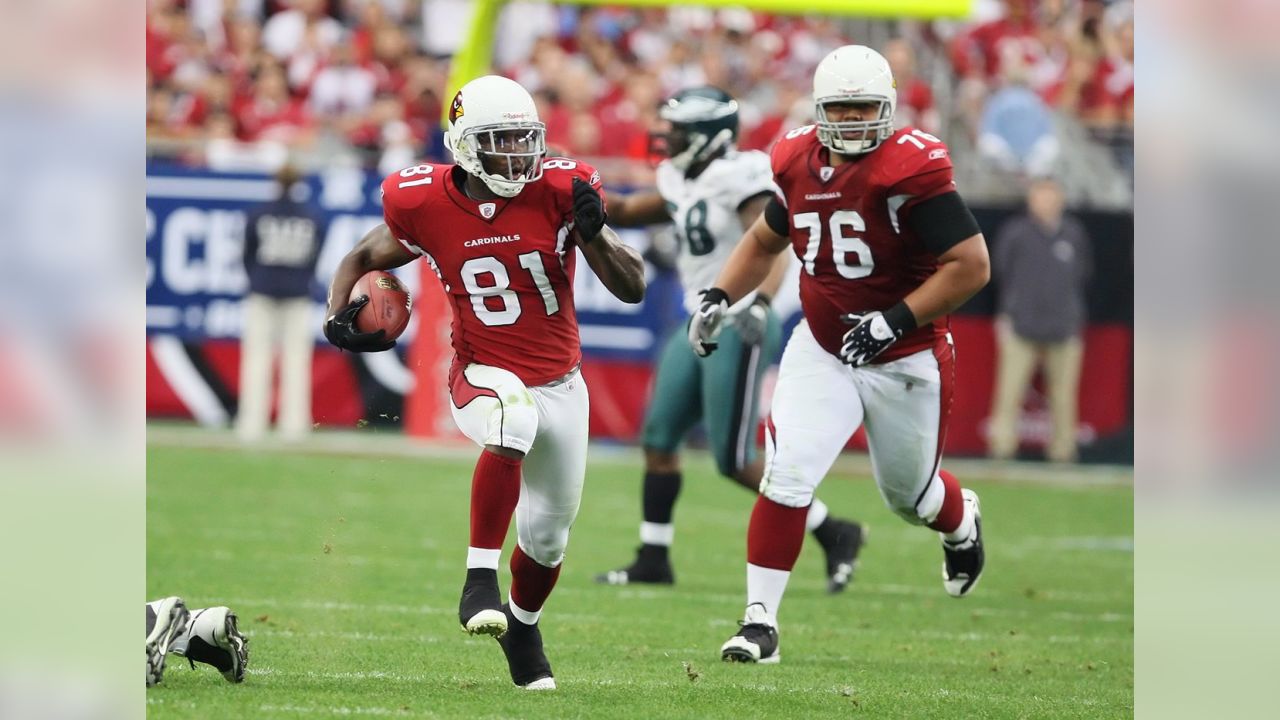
345, 572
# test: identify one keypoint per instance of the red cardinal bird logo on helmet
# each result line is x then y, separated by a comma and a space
455, 110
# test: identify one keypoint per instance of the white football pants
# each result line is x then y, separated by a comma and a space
549, 424
819, 402
272, 324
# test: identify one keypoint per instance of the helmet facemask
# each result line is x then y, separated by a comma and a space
854, 137
505, 156
686, 147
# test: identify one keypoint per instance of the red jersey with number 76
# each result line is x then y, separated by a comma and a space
849, 228
507, 264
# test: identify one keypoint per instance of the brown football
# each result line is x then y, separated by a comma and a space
389, 304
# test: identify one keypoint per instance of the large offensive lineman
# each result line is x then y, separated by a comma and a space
711, 191
500, 234
889, 249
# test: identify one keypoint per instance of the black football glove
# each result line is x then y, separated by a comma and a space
588, 211
340, 330
704, 326
873, 333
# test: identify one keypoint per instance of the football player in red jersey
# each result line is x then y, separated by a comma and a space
888, 249
499, 228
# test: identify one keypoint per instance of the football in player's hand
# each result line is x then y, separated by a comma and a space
389, 304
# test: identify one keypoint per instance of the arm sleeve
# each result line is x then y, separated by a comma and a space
942, 222
777, 217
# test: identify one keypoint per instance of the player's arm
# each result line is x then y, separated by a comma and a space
748, 212
756, 255
377, 250
618, 265
753, 261
948, 230
637, 209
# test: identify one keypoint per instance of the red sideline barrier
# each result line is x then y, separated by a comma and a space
620, 390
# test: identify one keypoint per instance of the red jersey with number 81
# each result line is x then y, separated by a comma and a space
848, 227
506, 264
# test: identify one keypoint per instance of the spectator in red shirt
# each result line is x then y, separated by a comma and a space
270, 113
977, 53
915, 99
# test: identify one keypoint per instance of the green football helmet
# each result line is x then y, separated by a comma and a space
704, 125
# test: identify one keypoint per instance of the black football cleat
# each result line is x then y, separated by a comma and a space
841, 541
756, 640
166, 620
480, 609
962, 562
522, 644
651, 567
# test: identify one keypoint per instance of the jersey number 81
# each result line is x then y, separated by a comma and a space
501, 288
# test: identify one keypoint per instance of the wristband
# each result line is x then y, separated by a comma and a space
900, 319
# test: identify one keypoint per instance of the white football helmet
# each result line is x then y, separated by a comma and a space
854, 74
494, 134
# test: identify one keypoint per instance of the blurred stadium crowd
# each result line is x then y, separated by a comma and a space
1021, 88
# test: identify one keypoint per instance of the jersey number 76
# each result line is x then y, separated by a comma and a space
852, 256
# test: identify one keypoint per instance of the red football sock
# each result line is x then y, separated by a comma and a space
775, 534
952, 512
531, 583
495, 490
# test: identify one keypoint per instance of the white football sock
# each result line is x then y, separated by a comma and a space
964, 531
483, 558
657, 533
524, 616
766, 586
817, 515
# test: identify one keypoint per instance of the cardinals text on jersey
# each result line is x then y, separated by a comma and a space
506, 264
848, 228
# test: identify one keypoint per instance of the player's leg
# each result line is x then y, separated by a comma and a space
297, 338
815, 410
731, 380
674, 407
554, 472
908, 402
1062, 371
1016, 365
166, 619
256, 350
496, 411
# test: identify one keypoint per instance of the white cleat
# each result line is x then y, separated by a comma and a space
213, 637
756, 640
962, 562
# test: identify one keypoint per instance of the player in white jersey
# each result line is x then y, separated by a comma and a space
711, 191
